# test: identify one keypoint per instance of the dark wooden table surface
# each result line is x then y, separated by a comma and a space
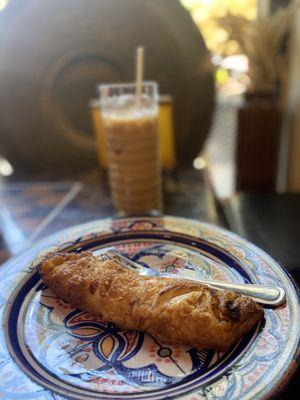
269, 220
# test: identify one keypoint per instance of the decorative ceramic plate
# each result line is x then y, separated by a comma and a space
49, 350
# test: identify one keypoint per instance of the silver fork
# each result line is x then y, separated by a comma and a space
264, 294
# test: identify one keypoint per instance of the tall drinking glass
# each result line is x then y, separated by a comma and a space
131, 134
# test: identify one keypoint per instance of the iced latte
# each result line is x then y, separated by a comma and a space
131, 132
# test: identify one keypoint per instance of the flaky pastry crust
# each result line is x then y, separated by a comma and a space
172, 310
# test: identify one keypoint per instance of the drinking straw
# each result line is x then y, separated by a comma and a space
139, 74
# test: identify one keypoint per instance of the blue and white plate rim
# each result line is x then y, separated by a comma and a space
72, 232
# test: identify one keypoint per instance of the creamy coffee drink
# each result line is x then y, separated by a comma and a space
131, 135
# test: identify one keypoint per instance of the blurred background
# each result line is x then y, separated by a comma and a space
229, 127
229, 70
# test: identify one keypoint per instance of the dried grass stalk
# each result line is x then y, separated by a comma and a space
262, 42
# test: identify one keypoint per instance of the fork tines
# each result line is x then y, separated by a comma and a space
123, 261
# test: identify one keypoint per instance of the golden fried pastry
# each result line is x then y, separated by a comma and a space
172, 310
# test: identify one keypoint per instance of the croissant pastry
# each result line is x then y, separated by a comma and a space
172, 310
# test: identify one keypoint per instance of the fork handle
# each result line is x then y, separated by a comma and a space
265, 294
